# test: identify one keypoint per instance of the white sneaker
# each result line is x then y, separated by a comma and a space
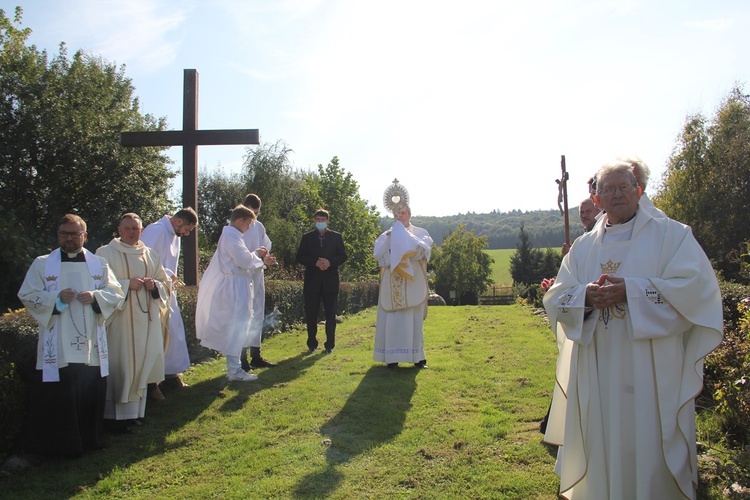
241, 376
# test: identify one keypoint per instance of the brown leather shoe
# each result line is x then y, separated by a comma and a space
174, 382
154, 393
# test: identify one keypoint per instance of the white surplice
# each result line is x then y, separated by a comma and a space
631, 372
399, 337
76, 339
256, 237
225, 295
160, 237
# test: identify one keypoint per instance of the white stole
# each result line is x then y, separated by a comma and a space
51, 370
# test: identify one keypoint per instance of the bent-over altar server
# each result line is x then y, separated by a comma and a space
225, 296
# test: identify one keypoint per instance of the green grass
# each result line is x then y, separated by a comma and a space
501, 267
464, 428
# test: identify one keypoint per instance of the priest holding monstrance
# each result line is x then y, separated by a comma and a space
402, 253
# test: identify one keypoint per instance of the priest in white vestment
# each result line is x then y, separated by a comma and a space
70, 292
135, 335
636, 307
224, 310
163, 236
402, 253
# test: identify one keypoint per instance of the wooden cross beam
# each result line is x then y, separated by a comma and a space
190, 138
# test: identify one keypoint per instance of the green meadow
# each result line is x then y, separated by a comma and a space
501, 266
339, 425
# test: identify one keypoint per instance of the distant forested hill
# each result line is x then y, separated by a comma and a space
545, 227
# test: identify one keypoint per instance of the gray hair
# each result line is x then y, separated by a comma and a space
614, 167
640, 169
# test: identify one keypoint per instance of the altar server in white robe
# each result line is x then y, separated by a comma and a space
224, 310
163, 236
135, 333
402, 253
70, 292
636, 307
256, 241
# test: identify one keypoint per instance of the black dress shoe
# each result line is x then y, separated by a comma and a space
421, 364
392, 365
261, 363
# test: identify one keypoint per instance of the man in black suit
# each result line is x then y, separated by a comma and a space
321, 251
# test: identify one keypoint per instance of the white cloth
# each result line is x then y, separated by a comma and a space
76, 339
134, 333
631, 372
160, 237
399, 336
256, 237
225, 308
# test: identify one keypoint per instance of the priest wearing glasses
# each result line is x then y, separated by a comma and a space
71, 293
636, 307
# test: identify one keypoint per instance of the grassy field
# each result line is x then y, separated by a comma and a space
501, 267
340, 426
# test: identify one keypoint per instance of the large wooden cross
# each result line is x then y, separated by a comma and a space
190, 138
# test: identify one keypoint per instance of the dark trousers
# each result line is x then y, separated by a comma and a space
66, 417
312, 309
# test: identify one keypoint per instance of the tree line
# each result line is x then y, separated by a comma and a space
545, 227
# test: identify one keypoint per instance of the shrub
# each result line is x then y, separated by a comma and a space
287, 296
727, 368
18, 340
13, 409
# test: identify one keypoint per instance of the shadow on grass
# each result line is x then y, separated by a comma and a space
285, 371
53, 478
373, 415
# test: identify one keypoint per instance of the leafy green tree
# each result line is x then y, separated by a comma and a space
548, 264
350, 215
525, 261
269, 173
461, 265
289, 199
60, 121
218, 194
706, 184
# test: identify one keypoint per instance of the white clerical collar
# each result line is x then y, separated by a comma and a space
619, 232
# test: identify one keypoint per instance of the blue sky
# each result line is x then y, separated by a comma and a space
469, 104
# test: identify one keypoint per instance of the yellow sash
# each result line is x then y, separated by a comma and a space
398, 292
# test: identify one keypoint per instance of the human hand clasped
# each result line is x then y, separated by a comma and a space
607, 291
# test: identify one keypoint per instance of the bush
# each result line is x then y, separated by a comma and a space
287, 296
727, 368
531, 295
18, 340
13, 409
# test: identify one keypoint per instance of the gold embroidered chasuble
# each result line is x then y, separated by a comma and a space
627, 376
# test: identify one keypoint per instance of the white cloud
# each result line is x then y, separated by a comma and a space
142, 34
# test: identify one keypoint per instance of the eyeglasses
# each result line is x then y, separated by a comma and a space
66, 234
611, 190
